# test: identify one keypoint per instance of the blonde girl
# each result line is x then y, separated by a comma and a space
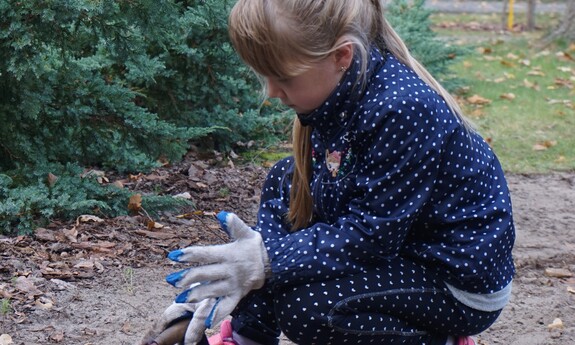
391, 223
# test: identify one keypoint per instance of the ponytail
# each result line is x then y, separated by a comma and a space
301, 202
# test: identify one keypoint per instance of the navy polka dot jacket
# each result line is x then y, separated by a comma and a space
395, 173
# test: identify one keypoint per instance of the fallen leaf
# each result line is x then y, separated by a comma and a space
44, 303
556, 324
485, 50
530, 84
561, 82
536, 72
570, 289
564, 56
85, 218
155, 234
135, 203
507, 63
558, 273
150, 224
52, 179
71, 234
477, 113
478, 100
508, 96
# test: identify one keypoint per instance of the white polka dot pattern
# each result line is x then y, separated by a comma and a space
412, 181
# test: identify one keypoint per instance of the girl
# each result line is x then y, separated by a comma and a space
391, 224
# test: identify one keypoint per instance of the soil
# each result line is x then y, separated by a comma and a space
101, 281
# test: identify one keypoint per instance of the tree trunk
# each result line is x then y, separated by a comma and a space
565, 30
531, 15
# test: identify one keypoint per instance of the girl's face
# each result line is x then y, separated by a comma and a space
307, 91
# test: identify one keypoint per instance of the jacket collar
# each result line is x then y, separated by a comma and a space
337, 110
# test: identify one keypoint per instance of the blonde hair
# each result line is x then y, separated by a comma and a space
283, 38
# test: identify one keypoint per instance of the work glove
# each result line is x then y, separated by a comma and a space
222, 273
185, 322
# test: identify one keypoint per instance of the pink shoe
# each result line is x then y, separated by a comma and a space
225, 335
463, 341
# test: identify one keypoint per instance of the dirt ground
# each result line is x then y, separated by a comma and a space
102, 281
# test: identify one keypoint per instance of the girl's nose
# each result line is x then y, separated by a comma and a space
274, 91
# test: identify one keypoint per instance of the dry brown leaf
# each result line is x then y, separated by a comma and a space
507, 63
536, 73
558, 273
478, 100
85, 218
571, 289
118, 184
135, 203
477, 112
44, 303
51, 179
71, 234
565, 56
508, 96
530, 85
84, 264
564, 83
155, 234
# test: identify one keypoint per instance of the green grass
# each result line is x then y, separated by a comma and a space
535, 131
5, 307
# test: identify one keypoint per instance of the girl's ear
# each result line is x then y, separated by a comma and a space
344, 55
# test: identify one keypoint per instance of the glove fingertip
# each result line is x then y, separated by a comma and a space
175, 255
183, 297
175, 277
222, 216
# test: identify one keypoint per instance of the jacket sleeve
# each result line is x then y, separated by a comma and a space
397, 167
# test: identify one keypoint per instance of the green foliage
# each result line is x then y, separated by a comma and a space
411, 20
116, 84
31, 199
